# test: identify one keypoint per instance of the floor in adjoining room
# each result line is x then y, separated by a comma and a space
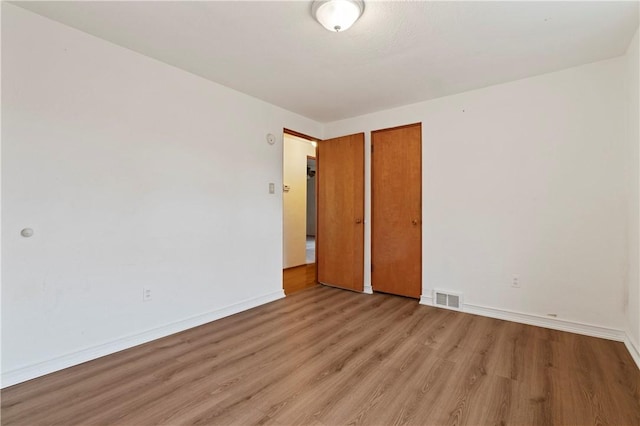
299, 278
325, 356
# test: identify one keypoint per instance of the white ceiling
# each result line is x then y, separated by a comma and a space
398, 52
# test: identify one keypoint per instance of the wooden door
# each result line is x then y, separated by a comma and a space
396, 207
340, 212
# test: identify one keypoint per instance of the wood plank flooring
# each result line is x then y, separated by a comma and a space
326, 356
299, 278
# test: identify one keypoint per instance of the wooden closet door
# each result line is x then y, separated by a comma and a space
340, 212
396, 228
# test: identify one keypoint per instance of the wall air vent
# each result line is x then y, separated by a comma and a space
447, 299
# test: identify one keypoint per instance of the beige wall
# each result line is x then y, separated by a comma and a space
296, 151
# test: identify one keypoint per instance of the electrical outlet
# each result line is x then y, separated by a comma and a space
515, 282
146, 294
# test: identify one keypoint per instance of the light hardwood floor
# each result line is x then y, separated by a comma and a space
325, 356
299, 278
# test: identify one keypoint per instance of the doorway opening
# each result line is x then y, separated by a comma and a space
299, 211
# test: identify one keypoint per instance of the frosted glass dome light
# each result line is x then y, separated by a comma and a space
337, 15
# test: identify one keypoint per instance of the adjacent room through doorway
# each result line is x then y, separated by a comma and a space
299, 212
311, 210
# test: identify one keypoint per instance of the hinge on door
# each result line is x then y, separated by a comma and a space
372, 267
372, 148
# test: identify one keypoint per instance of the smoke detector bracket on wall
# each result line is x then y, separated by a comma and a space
271, 139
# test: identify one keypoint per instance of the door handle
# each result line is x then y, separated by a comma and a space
414, 222
358, 220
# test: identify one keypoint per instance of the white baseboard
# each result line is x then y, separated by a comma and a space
539, 320
547, 322
368, 289
426, 300
633, 349
36, 370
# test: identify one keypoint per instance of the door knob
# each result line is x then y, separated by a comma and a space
414, 221
358, 220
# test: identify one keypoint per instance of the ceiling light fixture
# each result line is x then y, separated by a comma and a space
337, 15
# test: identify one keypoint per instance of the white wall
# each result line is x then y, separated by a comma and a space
632, 89
523, 178
296, 151
132, 174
